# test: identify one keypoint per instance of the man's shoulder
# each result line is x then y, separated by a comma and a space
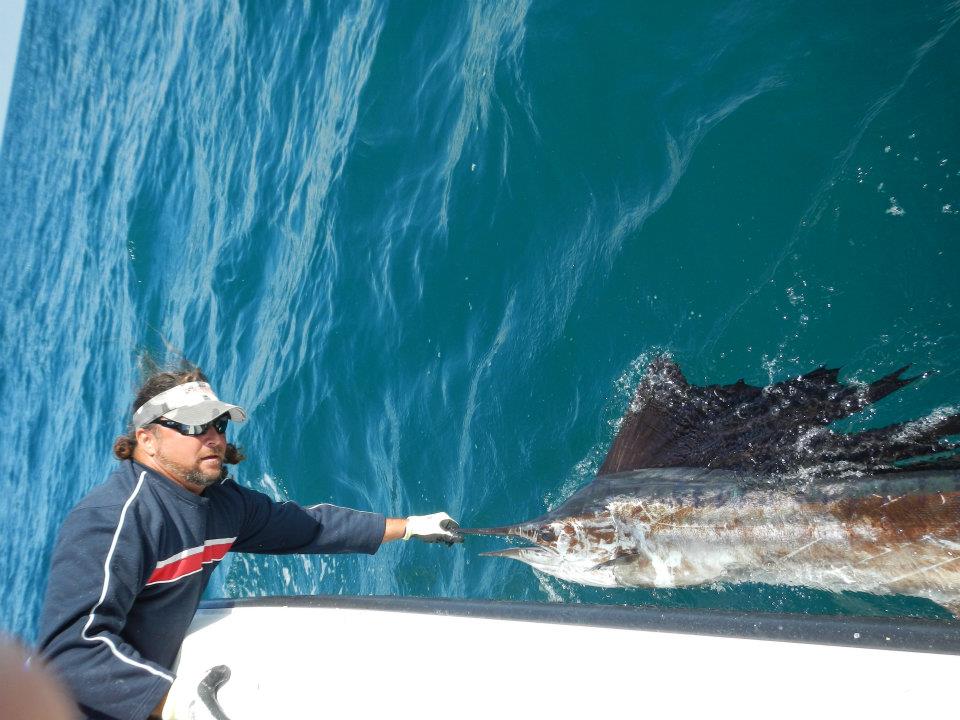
231, 497
113, 492
228, 490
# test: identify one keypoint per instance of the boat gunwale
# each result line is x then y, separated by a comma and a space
900, 633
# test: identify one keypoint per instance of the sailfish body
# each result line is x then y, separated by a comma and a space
736, 483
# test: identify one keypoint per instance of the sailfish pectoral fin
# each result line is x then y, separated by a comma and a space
622, 559
512, 553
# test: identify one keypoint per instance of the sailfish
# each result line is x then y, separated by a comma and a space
727, 484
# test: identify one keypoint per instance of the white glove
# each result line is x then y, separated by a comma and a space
438, 527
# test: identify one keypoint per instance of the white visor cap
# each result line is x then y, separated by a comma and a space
193, 403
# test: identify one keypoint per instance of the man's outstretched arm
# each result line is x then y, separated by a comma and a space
285, 527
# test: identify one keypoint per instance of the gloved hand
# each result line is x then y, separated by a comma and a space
438, 527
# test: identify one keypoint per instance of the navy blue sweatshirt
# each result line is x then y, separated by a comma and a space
131, 562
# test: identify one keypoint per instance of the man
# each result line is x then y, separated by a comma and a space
134, 556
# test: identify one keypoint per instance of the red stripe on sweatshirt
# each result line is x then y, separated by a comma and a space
191, 563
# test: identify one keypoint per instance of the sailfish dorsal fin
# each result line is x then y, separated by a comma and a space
671, 423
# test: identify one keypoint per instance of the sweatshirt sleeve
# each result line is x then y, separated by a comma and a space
285, 527
96, 571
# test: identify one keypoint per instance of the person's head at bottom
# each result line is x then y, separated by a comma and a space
27, 691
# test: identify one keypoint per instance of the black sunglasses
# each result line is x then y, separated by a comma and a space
219, 424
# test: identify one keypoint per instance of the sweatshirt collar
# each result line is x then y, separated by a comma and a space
167, 485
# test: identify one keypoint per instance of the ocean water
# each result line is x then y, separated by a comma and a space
431, 246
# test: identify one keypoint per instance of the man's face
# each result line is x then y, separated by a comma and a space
196, 460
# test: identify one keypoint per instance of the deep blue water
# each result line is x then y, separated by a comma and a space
431, 246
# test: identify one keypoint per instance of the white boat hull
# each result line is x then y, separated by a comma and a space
396, 657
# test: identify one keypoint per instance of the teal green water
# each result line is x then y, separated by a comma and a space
431, 246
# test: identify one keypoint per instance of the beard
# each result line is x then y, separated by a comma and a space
192, 476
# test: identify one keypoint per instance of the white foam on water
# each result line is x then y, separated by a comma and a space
11, 23
895, 209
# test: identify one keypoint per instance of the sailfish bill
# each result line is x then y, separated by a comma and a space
736, 483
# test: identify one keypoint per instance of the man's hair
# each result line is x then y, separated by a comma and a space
156, 381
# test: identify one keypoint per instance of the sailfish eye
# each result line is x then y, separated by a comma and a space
547, 534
